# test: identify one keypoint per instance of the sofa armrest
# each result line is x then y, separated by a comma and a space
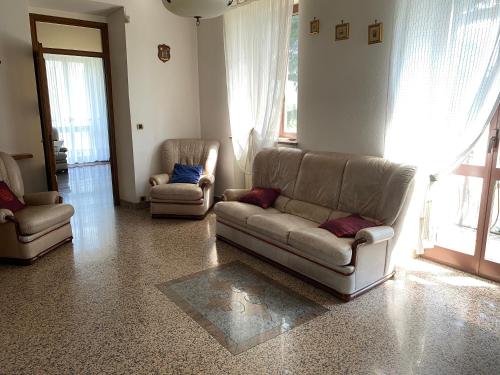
234, 194
206, 179
4, 214
375, 235
159, 179
45, 197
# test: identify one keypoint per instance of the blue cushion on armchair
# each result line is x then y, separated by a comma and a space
188, 174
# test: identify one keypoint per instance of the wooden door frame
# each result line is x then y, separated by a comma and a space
105, 55
476, 263
486, 268
45, 118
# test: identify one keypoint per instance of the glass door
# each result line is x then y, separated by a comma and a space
489, 257
467, 211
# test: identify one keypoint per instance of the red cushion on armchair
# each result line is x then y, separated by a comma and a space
347, 226
261, 197
8, 199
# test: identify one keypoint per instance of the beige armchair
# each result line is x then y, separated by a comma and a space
41, 226
60, 152
184, 200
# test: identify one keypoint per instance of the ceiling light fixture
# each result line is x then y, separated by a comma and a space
198, 8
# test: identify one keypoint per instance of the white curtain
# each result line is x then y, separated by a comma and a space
256, 41
443, 87
77, 96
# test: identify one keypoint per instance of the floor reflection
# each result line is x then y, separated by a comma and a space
88, 188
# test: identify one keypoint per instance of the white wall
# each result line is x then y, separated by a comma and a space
164, 97
343, 85
19, 120
121, 106
213, 102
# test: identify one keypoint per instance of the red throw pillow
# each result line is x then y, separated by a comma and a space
347, 226
8, 199
261, 197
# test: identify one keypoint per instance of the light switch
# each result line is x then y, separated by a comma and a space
140, 127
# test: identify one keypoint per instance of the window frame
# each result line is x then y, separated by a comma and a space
283, 134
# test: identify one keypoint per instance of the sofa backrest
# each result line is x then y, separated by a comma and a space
190, 152
277, 168
10, 173
375, 187
319, 185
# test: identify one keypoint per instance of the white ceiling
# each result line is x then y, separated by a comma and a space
76, 6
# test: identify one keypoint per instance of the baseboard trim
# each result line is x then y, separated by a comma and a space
172, 216
135, 205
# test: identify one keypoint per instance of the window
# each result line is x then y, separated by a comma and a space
289, 117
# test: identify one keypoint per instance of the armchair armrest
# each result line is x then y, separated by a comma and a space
375, 235
159, 179
4, 215
206, 179
234, 194
45, 197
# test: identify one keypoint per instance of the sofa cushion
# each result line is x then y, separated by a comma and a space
186, 174
308, 211
262, 197
277, 168
281, 202
320, 178
347, 226
239, 212
34, 219
322, 246
176, 192
375, 187
8, 199
278, 226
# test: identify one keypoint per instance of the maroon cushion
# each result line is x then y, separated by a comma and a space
347, 226
261, 197
8, 199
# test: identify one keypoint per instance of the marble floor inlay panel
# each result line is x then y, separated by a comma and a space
239, 306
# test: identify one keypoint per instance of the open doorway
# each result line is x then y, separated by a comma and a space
74, 90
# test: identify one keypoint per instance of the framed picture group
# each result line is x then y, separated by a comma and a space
342, 31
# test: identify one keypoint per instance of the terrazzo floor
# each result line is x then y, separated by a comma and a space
92, 307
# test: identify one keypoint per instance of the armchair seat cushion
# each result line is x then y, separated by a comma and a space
34, 219
176, 192
239, 212
61, 156
322, 246
279, 226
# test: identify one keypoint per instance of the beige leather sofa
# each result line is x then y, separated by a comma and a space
184, 200
317, 186
41, 226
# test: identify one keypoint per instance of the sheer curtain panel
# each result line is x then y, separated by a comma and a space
443, 86
256, 41
78, 106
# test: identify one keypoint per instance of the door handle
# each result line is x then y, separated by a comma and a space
493, 143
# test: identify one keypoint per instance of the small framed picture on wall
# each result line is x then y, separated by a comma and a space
375, 33
342, 31
314, 26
